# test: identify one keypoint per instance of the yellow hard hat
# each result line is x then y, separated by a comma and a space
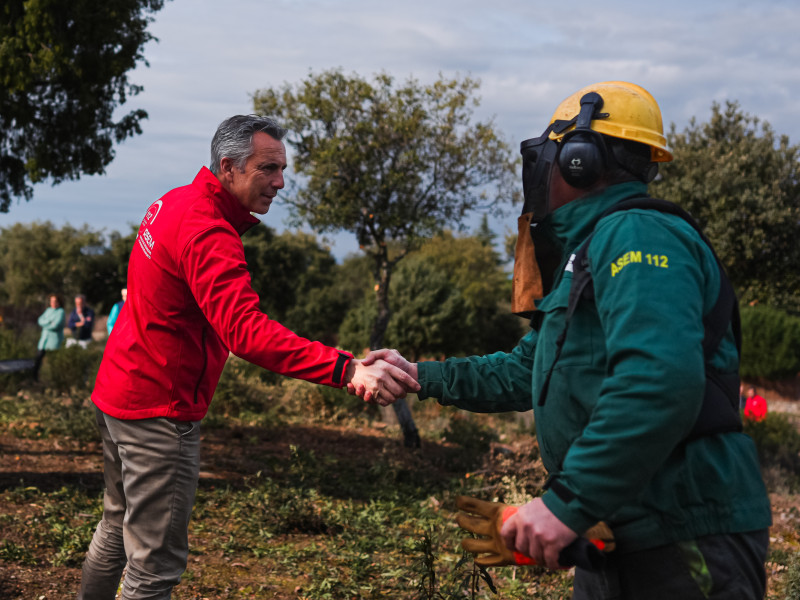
633, 114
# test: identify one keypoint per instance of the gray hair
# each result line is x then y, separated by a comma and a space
234, 138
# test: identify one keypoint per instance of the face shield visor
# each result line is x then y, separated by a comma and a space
533, 267
538, 156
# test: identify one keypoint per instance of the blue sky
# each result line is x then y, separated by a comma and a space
528, 54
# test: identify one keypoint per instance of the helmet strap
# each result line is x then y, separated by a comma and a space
582, 156
637, 164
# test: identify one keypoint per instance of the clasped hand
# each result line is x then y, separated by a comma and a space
382, 377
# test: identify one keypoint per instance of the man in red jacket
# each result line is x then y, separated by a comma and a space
189, 304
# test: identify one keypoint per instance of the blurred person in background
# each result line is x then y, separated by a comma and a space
52, 323
114, 314
755, 408
81, 323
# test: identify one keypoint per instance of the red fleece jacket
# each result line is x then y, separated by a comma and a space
189, 303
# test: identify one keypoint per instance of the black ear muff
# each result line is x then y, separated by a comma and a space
582, 156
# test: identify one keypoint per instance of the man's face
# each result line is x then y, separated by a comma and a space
79, 303
257, 184
560, 193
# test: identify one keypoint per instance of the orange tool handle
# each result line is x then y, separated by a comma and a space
567, 556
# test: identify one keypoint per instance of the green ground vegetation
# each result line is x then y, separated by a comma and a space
306, 494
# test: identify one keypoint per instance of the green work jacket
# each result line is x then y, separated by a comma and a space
628, 386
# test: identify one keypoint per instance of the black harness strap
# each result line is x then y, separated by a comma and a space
720, 410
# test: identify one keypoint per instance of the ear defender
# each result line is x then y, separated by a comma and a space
582, 156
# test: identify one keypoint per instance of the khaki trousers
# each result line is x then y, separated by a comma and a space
151, 469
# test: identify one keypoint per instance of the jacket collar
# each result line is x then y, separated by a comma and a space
573, 222
230, 207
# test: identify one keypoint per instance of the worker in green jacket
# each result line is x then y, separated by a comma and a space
617, 406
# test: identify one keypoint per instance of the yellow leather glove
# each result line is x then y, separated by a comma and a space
486, 519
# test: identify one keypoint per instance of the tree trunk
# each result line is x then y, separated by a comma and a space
402, 412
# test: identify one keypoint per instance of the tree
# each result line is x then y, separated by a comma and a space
63, 73
296, 280
427, 310
770, 343
39, 259
451, 297
392, 164
743, 186
476, 270
119, 248
427, 313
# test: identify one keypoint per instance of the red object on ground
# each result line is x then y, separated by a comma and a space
755, 409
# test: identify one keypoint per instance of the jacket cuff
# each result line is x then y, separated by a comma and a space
340, 367
429, 375
566, 506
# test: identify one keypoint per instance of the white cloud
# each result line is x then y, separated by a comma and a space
528, 55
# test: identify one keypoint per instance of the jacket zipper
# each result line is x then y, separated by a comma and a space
205, 365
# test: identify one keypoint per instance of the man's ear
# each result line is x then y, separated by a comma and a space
226, 167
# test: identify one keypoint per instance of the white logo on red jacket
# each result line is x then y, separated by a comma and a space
150, 217
145, 238
146, 242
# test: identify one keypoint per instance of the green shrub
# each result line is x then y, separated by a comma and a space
471, 435
777, 441
340, 405
792, 581
786, 586
31, 414
63, 524
249, 394
770, 343
12, 552
304, 402
244, 392
71, 369
13, 346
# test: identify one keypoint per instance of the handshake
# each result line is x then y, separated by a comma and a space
382, 377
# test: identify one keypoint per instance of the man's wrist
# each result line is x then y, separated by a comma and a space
571, 516
349, 371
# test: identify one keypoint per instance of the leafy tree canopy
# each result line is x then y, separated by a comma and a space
427, 310
297, 281
742, 183
39, 259
476, 270
386, 161
770, 343
449, 298
391, 163
63, 72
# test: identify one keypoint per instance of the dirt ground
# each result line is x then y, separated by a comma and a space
229, 455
